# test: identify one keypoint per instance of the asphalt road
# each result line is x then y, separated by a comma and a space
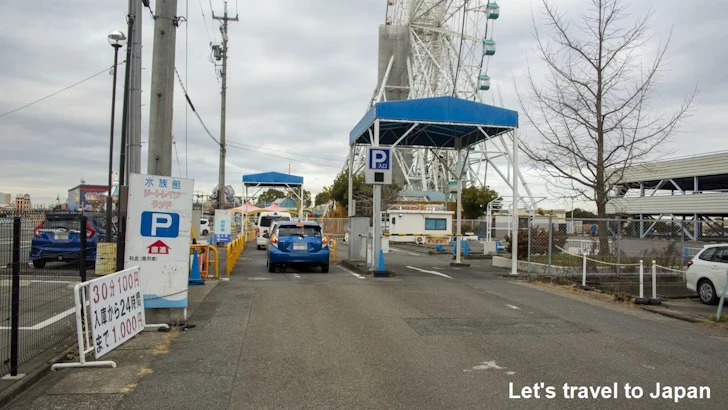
433, 337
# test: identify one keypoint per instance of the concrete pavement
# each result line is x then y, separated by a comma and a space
432, 337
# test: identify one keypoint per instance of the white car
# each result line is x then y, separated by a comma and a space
706, 273
204, 227
265, 219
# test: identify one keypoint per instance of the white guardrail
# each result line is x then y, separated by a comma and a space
109, 311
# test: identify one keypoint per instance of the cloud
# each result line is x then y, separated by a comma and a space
299, 77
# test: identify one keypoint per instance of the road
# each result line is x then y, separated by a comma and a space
433, 337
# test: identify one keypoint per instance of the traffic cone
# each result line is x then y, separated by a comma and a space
195, 278
380, 262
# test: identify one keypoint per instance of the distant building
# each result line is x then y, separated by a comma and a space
22, 203
77, 195
5, 199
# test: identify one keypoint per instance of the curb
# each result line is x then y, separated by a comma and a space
674, 315
363, 271
7, 395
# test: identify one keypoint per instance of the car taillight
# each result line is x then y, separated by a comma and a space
274, 240
35, 231
89, 230
325, 241
257, 231
689, 264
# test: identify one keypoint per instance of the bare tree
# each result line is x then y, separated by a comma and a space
594, 115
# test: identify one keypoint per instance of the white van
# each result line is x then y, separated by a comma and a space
265, 219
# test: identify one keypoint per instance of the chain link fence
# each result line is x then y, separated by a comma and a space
612, 250
41, 258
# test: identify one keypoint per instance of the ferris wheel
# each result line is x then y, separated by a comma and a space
431, 48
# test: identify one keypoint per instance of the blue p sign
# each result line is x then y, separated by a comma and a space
379, 158
160, 224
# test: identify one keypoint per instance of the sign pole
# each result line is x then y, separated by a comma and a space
377, 207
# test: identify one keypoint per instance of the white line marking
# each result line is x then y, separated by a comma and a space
513, 307
413, 254
295, 275
353, 273
46, 322
430, 271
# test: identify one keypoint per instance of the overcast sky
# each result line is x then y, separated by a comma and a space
300, 75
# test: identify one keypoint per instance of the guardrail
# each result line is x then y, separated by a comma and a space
234, 250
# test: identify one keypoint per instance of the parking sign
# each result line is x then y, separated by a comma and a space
160, 224
379, 166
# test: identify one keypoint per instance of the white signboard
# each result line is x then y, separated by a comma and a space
223, 226
116, 309
379, 166
159, 222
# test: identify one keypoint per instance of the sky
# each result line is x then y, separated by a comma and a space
300, 76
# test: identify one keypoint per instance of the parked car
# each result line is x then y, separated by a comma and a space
204, 227
297, 243
265, 219
706, 272
58, 238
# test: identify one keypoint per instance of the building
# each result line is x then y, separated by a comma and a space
694, 189
22, 203
5, 199
77, 195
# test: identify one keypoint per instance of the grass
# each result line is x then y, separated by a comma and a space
723, 318
560, 259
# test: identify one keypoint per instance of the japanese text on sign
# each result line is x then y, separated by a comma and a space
116, 309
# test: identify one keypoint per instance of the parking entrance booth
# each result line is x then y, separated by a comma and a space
436, 123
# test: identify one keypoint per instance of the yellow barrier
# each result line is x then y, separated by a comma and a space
332, 254
234, 250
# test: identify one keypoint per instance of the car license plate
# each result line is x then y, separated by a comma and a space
299, 247
60, 236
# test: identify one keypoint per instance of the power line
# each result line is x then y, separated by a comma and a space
207, 29
60, 91
189, 101
282, 157
285, 152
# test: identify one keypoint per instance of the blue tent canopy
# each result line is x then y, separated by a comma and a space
440, 122
272, 179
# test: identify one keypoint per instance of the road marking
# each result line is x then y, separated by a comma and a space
513, 307
46, 322
295, 275
430, 271
353, 273
413, 254
487, 366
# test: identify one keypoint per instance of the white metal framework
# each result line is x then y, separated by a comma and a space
430, 48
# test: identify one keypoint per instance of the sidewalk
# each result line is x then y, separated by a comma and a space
105, 388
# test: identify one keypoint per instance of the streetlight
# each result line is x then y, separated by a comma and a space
116, 39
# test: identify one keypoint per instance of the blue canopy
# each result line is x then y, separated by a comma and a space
441, 121
272, 179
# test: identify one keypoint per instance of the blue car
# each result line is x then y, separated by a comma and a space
297, 243
58, 238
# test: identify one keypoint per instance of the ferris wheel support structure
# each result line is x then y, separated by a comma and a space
431, 48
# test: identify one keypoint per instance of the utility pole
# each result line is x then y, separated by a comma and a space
223, 74
134, 150
159, 161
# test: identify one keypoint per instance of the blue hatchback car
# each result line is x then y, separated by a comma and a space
58, 238
297, 243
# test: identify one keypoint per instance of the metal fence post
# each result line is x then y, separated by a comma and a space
530, 223
82, 238
682, 244
15, 318
618, 248
551, 230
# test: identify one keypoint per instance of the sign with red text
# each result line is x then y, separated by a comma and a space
158, 232
116, 309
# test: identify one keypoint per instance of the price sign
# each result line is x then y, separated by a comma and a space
116, 307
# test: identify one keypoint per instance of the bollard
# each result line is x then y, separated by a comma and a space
583, 272
722, 299
654, 300
642, 300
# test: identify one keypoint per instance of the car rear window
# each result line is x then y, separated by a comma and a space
69, 223
707, 254
266, 221
290, 230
